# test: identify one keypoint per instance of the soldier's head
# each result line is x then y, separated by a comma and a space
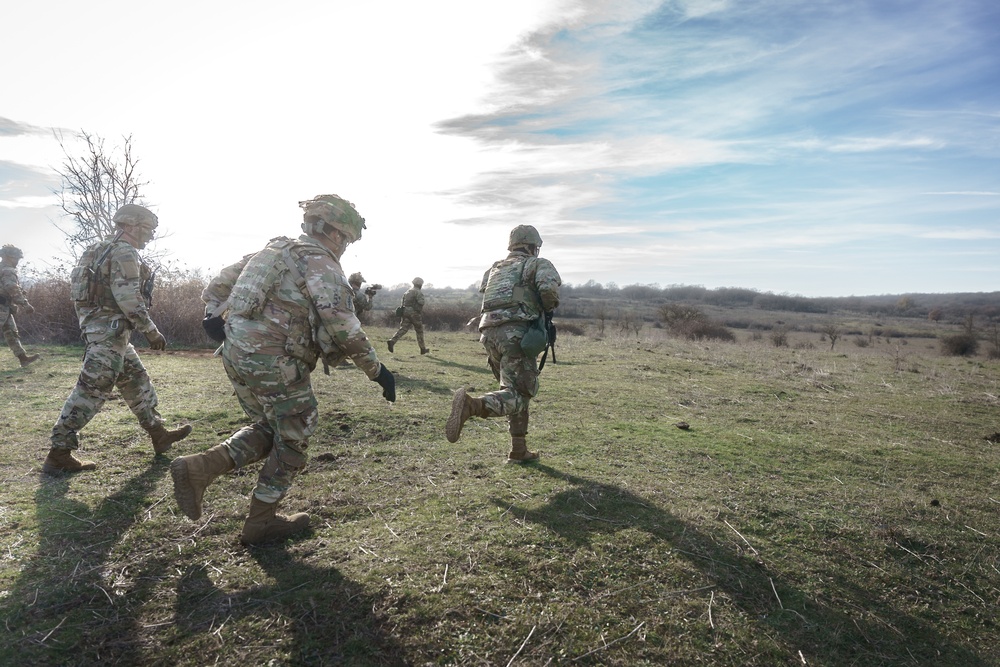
418, 282
11, 255
331, 220
137, 224
356, 279
526, 238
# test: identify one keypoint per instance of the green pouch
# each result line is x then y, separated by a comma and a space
535, 339
399, 311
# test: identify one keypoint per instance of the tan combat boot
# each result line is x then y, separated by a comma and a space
463, 406
192, 475
26, 359
61, 460
519, 451
164, 439
263, 524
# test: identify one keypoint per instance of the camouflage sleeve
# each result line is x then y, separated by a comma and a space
547, 282
125, 283
418, 301
10, 287
486, 279
217, 292
338, 331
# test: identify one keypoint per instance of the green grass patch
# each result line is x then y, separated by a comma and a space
821, 508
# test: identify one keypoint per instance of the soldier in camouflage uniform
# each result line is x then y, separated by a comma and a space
412, 316
288, 306
12, 297
111, 288
362, 300
517, 291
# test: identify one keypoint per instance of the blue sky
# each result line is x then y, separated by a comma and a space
815, 148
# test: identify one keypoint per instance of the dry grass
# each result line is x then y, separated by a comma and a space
822, 508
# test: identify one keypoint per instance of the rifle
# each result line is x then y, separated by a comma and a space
550, 335
146, 289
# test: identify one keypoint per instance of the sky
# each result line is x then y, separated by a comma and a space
813, 147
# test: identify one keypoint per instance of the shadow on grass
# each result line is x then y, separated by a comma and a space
68, 605
865, 631
324, 618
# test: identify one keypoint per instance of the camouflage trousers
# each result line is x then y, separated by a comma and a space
10, 333
516, 373
108, 364
408, 321
275, 392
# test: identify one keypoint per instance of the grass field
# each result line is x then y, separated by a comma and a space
823, 508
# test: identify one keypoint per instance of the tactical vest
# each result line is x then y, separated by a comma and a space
505, 287
90, 280
261, 275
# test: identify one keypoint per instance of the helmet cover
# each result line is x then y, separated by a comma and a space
330, 210
11, 251
133, 215
524, 235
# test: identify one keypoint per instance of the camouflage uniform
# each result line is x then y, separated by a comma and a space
109, 306
362, 301
12, 296
413, 308
269, 353
288, 306
518, 290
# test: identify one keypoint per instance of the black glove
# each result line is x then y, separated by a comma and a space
215, 327
388, 382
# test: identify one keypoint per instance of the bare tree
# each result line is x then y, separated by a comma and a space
832, 331
94, 186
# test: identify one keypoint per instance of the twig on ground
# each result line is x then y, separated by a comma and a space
775, 592
710, 601
756, 553
49, 634
521, 648
609, 644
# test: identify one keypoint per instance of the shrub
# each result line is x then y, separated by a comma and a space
569, 328
960, 345
705, 330
779, 337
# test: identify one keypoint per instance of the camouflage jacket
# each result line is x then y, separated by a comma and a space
362, 302
10, 287
307, 312
413, 301
540, 281
122, 274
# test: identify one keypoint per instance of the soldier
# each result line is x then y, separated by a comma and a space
362, 300
288, 305
111, 288
11, 296
517, 292
411, 315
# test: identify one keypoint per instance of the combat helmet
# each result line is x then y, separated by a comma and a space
418, 282
330, 210
356, 278
524, 235
11, 251
133, 215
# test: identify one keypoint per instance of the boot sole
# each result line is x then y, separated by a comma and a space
185, 500
453, 429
